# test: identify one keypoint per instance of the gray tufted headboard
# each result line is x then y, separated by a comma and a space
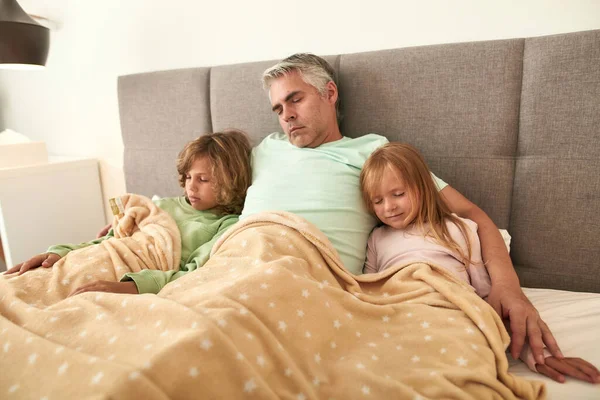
512, 124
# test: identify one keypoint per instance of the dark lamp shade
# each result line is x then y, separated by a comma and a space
22, 44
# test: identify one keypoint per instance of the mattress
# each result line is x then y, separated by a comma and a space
574, 319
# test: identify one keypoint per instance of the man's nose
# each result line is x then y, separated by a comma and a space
288, 115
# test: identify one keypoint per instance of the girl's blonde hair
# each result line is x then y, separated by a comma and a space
405, 160
229, 155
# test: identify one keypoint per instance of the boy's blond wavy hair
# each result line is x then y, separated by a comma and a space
229, 155
408, 163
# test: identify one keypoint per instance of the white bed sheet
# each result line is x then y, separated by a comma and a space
574, 319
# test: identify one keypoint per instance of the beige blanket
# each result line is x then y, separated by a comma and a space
271, 315
145, 237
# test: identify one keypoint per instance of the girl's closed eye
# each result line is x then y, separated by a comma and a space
376, 201
399, 194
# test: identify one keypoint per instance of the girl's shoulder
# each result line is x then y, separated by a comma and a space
470, 224
381, 230
457, 234
376, 235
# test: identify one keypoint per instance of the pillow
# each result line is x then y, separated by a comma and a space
506, 236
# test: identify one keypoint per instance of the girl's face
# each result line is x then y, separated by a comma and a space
392, 201
199, 185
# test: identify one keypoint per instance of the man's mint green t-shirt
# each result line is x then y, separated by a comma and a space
321, 185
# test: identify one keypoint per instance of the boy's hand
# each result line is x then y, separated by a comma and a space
45, 260
557, 368
107, 286
103, 231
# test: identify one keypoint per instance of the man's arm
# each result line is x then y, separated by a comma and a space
506, 296
498, 262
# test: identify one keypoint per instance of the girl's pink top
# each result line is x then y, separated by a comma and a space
388, 247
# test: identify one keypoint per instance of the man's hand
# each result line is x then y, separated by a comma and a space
107, 286
525, 322
506, 296
103, 231
45, 260
556, 369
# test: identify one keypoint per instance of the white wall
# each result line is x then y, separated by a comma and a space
72, 105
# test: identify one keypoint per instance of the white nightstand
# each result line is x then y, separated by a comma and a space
46, 204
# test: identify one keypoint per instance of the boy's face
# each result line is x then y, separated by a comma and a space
199, 185
393, 202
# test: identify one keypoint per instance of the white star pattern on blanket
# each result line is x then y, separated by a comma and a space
282, 326
97, 378
461, 361
249, 308
249, 386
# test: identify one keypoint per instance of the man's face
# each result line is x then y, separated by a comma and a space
308, 118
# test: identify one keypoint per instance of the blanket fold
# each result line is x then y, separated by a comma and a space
146, 237
271, 315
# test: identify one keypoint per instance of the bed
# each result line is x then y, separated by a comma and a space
512, 124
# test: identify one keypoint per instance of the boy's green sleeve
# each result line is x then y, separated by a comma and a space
201, 255
63, 249
152, 281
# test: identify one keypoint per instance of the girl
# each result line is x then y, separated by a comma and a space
418, 226
214, 171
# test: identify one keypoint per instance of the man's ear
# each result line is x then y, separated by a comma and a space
331, 92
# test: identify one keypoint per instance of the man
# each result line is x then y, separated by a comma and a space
313, 171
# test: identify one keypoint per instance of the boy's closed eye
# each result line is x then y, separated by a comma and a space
199, 179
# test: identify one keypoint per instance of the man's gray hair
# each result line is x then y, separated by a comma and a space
313, 70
